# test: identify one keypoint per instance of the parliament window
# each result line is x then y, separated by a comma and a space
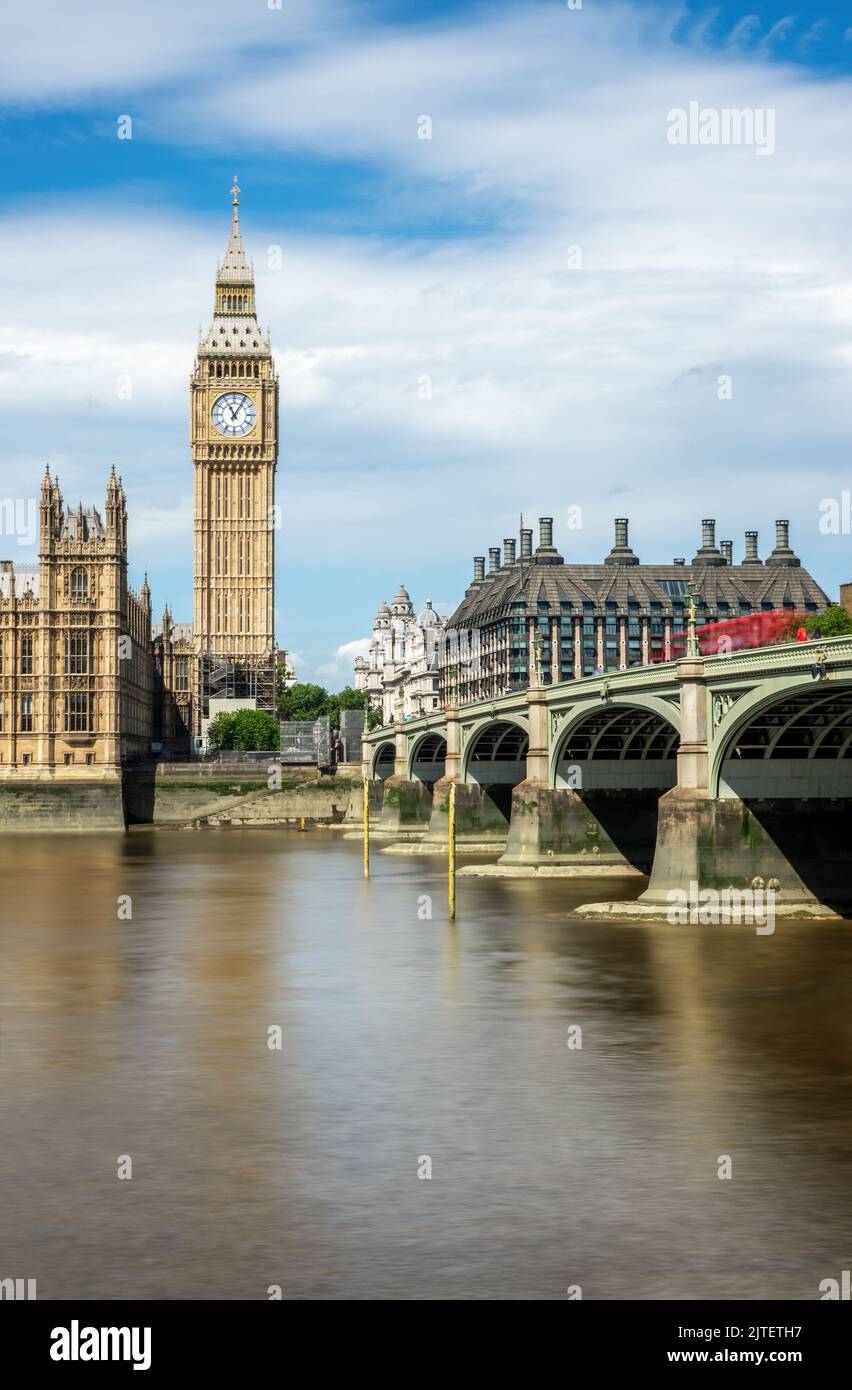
77, 654
77, 712
182, 673
79, 583
26, 714
26, 656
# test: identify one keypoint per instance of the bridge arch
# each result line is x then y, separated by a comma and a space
617, 757
619, 743
785, 751
384, 757
502, 744
427, 757
792, 740
495, 758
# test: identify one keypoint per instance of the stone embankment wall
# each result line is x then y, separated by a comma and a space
60, 805
195, 794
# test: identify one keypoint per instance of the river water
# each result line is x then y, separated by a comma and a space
405, 1038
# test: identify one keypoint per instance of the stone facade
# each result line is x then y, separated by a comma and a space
234, 439
401, 674
76, 679
86, 686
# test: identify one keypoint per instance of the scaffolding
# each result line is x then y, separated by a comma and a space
225, 677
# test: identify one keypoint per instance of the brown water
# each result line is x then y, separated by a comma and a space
405, 1037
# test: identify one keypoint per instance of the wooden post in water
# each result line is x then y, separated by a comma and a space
366, 829
451, 844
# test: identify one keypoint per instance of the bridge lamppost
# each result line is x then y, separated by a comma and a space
690, 603
539, 679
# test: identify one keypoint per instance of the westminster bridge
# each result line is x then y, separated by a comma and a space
732, 770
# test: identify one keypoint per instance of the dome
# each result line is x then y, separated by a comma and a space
429, 618
402, 601
383, 616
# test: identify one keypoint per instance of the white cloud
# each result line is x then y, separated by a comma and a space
349, 650
550, 386
59, 51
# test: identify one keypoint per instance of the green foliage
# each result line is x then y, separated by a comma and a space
220, 732
834, 622
374, 719
347, 698
303, 701
245, 731
306, 701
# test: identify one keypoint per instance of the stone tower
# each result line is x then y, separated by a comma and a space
234, 438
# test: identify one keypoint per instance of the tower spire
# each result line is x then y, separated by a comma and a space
235, 269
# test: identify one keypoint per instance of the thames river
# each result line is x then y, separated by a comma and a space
142, 981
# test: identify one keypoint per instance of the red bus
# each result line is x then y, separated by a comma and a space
748, 630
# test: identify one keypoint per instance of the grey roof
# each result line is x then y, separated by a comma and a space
27, 579
234, 335
92, 526
551, 581
429, 618
181, 632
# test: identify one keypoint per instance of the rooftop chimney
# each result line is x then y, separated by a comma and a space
751, 556
621, 554
478, 568
493, 559
509, 550
709, 554
728, 552
782, 554
526, 543
546, 554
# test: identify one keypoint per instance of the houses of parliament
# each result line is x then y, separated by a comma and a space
87, 682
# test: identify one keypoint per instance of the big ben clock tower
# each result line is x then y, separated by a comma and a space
234, 437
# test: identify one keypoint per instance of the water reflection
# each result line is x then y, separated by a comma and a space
401, 1037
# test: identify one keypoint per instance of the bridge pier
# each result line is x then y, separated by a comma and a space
479, 820
707, 845
353, 820
554, 827
707, 842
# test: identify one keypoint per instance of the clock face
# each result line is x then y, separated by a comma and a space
234, 413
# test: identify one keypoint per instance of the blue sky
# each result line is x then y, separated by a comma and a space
530, 311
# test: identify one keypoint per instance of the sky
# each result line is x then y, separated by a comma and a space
496, 283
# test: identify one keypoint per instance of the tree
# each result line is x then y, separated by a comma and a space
347, 698
374, 718
220, 732
246, 730
256, 730
303, 701
834, 622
